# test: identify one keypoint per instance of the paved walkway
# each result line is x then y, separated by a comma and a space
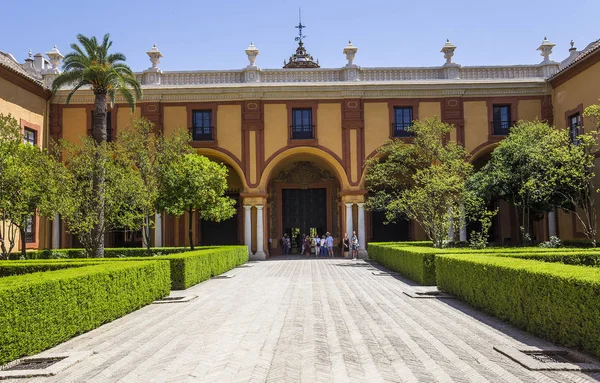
304, 321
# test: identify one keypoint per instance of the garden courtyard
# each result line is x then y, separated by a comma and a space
294, 319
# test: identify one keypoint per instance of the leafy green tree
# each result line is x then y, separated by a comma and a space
537, 168
423, 181
25, 187
195, 183
122, 194
107, 75
146, 148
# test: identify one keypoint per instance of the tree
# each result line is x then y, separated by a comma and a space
538, 168
423, 181
25, 187
107, 75
122, 194
147, 149
195, 183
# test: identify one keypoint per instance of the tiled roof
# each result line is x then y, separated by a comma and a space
586, 52
9, 62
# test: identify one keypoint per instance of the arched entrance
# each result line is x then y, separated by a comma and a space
304, 198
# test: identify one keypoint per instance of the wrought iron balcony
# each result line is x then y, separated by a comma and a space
400, 129
501, 127
302, 132
202, 133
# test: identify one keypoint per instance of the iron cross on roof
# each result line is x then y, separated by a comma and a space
300, 26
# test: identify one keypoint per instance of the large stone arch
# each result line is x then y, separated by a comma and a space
298, 154
227, 160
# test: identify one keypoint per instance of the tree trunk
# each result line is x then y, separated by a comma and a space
147, 233
23, 242
99, 135
190, 212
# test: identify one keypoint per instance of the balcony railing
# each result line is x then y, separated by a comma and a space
302, 132
202, 134
400, 129
502, 127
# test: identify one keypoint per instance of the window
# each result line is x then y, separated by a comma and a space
574, 126
30, 229
302, 125
403, 119
29, 136
202, 129
501, 120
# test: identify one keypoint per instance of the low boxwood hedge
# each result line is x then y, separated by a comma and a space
554, 301
414, 262
9, 268
578, 257
108, 253
40, 310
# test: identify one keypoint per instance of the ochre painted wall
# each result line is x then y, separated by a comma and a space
377, 125
229, 128
429, 109
476, 124
329, 130
529, 110
174, 117
124, 117
22, 104
74, 124
583, 89
276, 129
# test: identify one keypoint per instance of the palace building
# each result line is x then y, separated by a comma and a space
296, 139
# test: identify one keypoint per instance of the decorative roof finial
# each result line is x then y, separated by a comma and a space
300, 59
154, 55
252, 52
546, 49
350, 51
448, 51
30, 55
572, 49
55, 57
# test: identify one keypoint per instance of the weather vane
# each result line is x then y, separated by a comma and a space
300, 26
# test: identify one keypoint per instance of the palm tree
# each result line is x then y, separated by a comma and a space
106, 74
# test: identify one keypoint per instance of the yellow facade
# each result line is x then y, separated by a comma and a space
329, 130
476, 124
275, 128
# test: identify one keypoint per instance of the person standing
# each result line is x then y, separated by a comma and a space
287, 244
317, 245
346, 245
329, 240
323, 246
307, 242
303, 244
354, 244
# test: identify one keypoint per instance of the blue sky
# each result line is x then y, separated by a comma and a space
197, 35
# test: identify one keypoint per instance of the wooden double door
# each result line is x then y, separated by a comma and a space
304, 211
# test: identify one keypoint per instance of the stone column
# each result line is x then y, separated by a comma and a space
56, 232
248, 228
158, 230
260, 253
551, 223
362, 234
349, 223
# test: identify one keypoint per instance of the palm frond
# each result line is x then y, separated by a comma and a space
67, 78
111, 97
114, 57
126, 93
133, 83
72, 92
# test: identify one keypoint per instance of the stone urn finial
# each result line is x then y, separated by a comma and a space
350, 52
155, 57
252, 52
546, 50
448, 51
55, 57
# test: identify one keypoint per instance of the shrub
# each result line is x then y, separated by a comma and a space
580, 258
553, 243
19, 268
554, 301
414, 262
108, 253
41, 310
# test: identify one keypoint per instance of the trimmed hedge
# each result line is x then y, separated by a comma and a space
554, 301
578, 257
108, 253
414, 262
40, 310
19, 268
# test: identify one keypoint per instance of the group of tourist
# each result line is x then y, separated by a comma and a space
323, 245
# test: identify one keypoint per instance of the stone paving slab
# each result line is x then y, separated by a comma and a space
304, 320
